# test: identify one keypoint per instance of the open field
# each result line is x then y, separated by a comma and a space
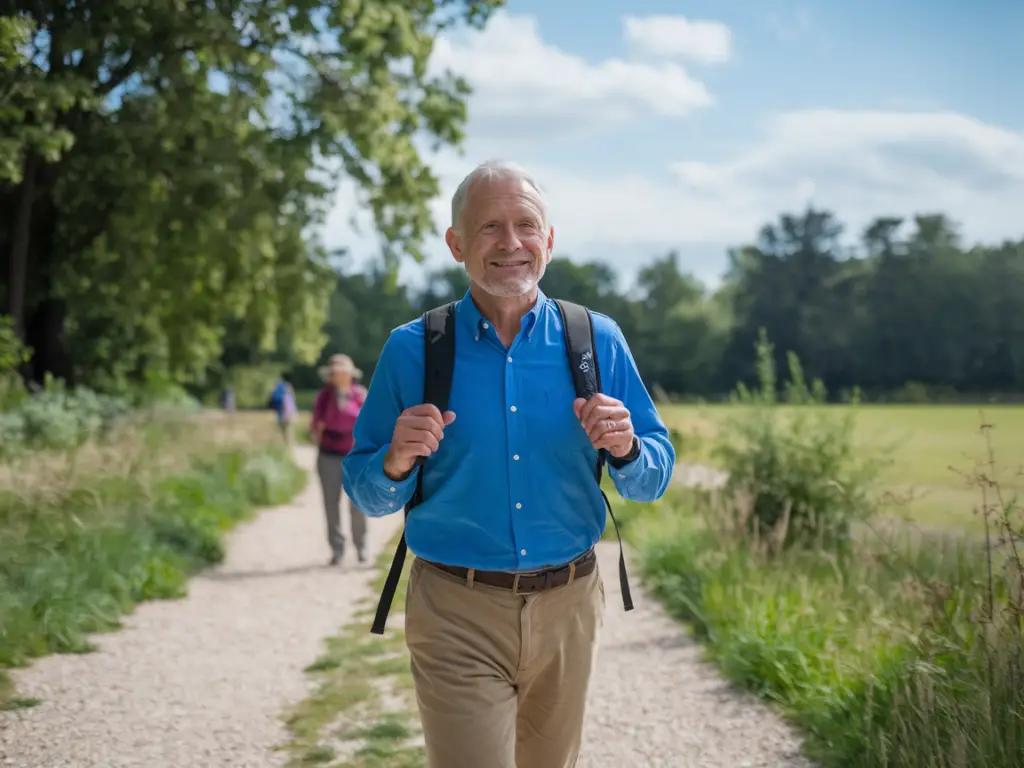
927, 447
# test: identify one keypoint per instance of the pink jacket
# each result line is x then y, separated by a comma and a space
338, 422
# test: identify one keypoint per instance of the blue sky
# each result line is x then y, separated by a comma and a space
686, 125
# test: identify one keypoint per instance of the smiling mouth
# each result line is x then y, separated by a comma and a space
512, 263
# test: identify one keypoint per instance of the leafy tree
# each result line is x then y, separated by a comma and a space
167, 167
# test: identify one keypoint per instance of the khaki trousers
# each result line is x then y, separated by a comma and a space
501, 679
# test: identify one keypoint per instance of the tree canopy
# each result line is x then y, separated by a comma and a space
165, 166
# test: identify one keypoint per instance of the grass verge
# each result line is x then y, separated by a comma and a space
895, 653
361, 712
89, 534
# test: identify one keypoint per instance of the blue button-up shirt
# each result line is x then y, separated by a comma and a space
512, 486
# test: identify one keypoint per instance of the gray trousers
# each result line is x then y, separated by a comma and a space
329, 469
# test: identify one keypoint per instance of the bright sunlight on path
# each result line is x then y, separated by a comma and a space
200, 682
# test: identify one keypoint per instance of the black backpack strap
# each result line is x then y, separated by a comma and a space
586, 375
439, 367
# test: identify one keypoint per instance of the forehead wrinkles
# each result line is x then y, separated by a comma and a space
488, 199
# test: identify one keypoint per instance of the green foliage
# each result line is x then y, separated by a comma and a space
30, 102
181, 166
13, 353
798, 477
75, 564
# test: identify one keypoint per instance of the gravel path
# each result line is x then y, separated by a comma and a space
655, 704
199, 682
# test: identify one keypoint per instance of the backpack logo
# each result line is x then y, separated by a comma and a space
585, 359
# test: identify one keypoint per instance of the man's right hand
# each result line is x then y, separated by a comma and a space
418, 432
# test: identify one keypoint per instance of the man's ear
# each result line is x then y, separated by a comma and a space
451, 237
551, 243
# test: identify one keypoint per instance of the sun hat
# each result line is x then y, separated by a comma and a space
339, 363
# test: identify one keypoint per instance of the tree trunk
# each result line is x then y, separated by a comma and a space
18, 267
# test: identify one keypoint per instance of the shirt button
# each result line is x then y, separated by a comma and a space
392, 489
486, 326
515, 457
519, 505
510, 359
522, 551
513, 409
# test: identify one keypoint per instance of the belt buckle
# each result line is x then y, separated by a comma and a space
532, 574
547, 577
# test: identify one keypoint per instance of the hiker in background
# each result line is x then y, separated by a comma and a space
282, 402
334, 416
227, 399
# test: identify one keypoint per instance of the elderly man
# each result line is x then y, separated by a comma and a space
508, 488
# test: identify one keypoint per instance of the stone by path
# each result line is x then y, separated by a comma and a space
200, 682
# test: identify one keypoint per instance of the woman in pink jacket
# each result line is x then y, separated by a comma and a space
334, 416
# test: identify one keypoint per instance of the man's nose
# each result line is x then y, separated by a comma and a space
509, 241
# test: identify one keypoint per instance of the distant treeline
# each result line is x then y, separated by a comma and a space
912, 314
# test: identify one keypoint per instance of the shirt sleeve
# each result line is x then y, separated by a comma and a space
363, 468
646, 477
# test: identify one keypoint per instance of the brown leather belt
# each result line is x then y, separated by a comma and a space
525, 583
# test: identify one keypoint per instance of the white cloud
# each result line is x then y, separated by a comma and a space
858, 164
524, 85
862, 164
664, 35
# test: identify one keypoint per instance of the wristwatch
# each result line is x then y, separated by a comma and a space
634, 452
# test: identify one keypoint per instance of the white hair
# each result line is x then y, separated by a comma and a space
495, 169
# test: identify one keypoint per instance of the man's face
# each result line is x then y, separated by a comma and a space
502, 240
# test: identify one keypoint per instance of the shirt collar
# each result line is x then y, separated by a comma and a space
467, 312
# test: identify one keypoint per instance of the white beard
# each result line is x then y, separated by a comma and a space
510, 287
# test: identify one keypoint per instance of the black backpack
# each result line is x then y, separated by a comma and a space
439, 333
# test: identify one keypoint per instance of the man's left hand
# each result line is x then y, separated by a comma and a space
607, 423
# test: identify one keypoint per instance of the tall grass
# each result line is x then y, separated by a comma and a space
89, 533
893, 649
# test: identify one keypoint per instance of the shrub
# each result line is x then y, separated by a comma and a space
62, 420
798, 472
